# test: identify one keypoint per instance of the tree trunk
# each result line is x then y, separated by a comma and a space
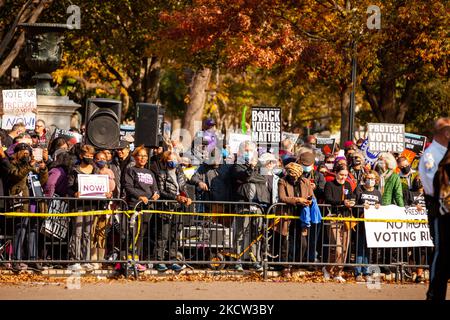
197, 93
152, 79
345, 112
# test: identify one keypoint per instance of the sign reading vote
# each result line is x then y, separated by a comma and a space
397, 234
93, 185
386, 137
266, 125
19, 106
414, 142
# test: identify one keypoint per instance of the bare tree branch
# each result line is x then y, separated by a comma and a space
21, 40
9, 36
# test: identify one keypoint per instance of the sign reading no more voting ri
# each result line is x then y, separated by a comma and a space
395, 233
386, 137
93, 185
266, 125
19, 106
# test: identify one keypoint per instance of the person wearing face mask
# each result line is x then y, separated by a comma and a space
390, 184
80, 240
172, 186
316, 178
357, 167
338, 193
122, 161
248, 185
19, 170
98, 243
407, 176
295, 190
212, 182
367, 195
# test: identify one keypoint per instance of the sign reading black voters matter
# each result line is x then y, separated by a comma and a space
386, 137
266, 125
19, 106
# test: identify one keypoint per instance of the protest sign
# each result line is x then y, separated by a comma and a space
235, 139
266, 125
386, 137
415, 142
56, 226
93, 185
326, 145
19, 106
71, 137
291, 136
396, 234
369, 156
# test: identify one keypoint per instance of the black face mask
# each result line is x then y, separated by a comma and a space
25, 160
87, 160
405, 170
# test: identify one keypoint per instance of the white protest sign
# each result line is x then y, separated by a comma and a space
266, 125
386, 137
19, 106
93, 185
396, 234
291, 136
235, 139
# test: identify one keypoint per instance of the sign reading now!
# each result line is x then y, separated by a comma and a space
397, 234
93, 185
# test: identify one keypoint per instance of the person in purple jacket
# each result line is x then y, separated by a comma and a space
58, 176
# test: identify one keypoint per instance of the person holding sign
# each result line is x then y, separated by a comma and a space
80, 240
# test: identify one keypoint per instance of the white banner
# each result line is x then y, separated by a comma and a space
291, 136
235, 139
19, 106
93, 185
396, 234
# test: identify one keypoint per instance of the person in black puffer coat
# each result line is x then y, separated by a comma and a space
172, 186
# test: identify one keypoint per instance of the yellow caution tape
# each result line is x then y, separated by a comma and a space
129, 212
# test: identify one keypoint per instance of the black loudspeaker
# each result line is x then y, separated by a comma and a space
103, 123
149, 125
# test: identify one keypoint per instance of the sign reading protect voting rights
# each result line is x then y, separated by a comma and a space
266, 125
386, 137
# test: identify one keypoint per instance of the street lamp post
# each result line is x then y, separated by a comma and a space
351, 122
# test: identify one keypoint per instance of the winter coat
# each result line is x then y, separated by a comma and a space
248, 184
287, 195
217, 179
393, 192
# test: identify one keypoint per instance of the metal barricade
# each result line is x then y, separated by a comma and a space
226, 233
336, 243
60, 231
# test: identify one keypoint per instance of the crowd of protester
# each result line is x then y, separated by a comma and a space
299, 175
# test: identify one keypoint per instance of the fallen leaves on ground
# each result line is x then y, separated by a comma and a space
297, 277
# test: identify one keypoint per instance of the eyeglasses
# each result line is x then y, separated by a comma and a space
142, 156
38, 126
329, 161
